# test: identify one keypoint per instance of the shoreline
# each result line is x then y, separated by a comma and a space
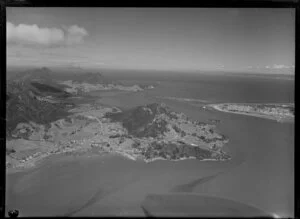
36, 163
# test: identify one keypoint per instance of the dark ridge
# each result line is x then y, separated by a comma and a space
152, 130
47, 75
10, 151
35, 74
174, 151
22, 106
139, 120
46, 88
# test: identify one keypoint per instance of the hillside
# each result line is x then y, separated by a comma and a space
161, 133
36, 102
140, 121
77, 83
42, 95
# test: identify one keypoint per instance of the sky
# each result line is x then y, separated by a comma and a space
180, 39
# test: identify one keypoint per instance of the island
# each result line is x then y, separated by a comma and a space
275, 111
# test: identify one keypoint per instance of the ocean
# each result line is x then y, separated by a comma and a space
260, 173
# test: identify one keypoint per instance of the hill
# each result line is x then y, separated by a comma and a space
44, 74
159, 132
140, 121
36, 102
77, 83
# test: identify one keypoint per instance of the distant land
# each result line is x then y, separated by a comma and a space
276, 73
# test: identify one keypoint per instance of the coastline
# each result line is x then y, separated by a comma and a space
184, 158
35, 163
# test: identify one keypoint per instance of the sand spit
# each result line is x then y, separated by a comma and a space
182, 99
279, 117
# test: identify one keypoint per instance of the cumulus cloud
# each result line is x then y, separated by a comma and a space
32, 34
75, 34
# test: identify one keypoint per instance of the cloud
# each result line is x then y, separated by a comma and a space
75, 34
280, 66
277, 66
34, 35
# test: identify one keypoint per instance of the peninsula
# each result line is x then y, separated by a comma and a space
145, 133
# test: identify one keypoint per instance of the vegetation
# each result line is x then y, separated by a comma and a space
136, 144
46, 88
176, 129
68, 120
47, 137
10, 151
23, 107
139, 121
182, 133
174, 151
115, 136
153, 130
